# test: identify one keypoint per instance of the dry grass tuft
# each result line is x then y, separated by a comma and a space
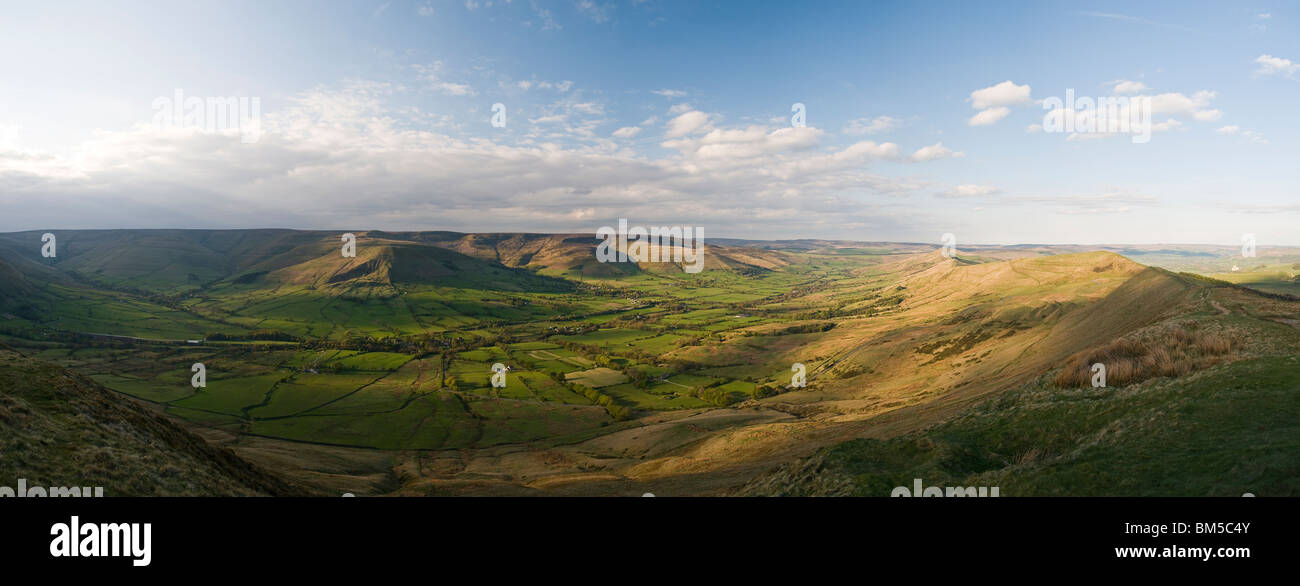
1170, 352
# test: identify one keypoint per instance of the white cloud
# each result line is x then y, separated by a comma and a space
680, 108
1169, 105
970, 190
989, 116
1270, 65
668, 93
1125, 87
455, 89
1207, 115
591, 108
934, 152
1167, 125
1254, 137
597, 12
993, 101
1249, 135
1006, 93
687, 123
318, 156
877, 125
743, 143
432, 73
627, 132
424, 9
1178, 104
559, 86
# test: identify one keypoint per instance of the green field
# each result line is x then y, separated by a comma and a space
608, 371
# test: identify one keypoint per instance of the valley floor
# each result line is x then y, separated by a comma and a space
417, 370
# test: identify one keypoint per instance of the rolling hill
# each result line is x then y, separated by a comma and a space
63, 429
624, 378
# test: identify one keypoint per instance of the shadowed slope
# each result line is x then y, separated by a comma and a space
62, 429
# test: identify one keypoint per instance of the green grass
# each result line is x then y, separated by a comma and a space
147, 389
432, 422
656, 397
596, 377
230, 396
306, 391
1225, 432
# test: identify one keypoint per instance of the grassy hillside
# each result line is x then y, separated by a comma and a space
63, 429
1220, 426
625, 376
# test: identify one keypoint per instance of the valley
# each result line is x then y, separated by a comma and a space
373, 374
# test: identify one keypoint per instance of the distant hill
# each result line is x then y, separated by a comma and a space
63, 429
174, 261
384, 262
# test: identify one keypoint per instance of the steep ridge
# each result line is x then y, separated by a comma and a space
962, 335
176, 261
1038, 438
388, 263
58, 429
155, 260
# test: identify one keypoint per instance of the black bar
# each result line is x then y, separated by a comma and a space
546, 536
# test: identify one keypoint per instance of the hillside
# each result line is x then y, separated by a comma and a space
374, 373
1222, 422
63, 429
387, 263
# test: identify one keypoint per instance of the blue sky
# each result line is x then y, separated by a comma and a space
376, 115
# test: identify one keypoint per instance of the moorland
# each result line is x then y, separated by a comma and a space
373, 374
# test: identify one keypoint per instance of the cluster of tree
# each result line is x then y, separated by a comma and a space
714, 395
768, 390
268, 335
618, 412
581, 328
598, 354
797, 329
638, 377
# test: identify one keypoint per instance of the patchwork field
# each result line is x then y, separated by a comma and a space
477, 375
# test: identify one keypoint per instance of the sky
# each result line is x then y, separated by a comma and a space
917, 118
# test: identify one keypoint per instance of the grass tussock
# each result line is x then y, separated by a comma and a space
1169, 352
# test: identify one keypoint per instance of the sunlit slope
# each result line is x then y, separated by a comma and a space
387, 263
62, 429
927, 325
953, 335
1222, 424
574, 255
